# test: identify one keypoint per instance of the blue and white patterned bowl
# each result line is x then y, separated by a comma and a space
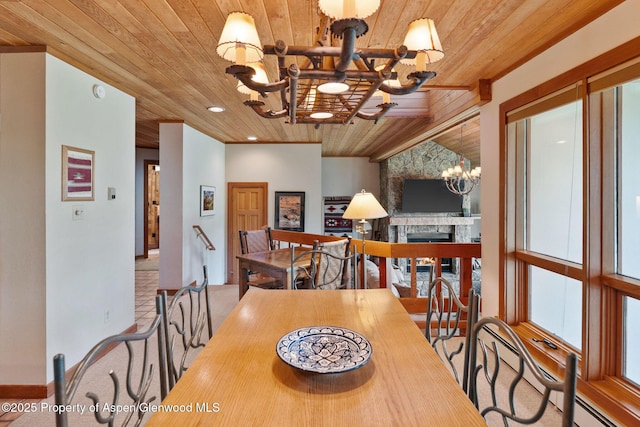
324, 349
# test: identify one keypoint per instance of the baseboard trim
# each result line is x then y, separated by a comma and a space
42, 391
171, 292
23, 391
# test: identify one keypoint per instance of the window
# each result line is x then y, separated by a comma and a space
631, 367
628, 219
548, 138
572, 225
628, 215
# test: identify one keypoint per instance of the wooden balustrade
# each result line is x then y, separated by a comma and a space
464, 252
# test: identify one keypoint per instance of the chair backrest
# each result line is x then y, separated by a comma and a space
255, 240
141, 373
328, 266
449, 323
184, 319
527, 372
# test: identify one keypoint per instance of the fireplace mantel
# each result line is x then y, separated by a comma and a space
417, 219
402, 225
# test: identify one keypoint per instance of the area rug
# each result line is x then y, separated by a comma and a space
334, 224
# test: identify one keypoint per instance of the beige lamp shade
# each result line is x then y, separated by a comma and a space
239, 41
386, 97
364, 206
342, 9
260, 76
423, 37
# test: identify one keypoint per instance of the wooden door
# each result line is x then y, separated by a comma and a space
247, 210
151, 206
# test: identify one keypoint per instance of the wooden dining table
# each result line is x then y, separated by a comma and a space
238, 379
275, 263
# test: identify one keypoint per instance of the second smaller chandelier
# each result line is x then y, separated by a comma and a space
458, 179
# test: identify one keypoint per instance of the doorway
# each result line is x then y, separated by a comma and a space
246, 210
151, 206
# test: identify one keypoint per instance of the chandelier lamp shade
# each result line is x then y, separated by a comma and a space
344, 9
423, 38
459, 180
239, 41
345, 76
259, 76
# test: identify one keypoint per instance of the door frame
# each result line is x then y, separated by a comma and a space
232, 234
145, 219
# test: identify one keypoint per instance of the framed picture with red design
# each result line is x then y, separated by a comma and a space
78, 169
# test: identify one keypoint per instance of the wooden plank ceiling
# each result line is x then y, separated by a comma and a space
163, 52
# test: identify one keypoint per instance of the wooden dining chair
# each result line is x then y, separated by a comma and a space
184, 320
525, 373
330, 265
252, 241
131, 383
449, 322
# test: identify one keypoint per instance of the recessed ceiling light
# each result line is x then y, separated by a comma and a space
215, 109
561, 141
252, 138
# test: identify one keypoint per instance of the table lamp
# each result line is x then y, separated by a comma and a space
362, 207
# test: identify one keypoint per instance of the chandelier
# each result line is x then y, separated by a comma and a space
332, 83
458, 179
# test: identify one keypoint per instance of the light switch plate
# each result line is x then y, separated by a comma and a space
77, 212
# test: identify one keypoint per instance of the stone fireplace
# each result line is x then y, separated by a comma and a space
425, 161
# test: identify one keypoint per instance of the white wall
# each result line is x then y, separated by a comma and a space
286, 167
58, 277
190, 159
204, 164
170, 263
90, 262
587, 43
346, 176
142, 154
22, 219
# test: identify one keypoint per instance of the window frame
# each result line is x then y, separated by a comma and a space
600, 364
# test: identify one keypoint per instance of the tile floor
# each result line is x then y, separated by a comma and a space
146, 283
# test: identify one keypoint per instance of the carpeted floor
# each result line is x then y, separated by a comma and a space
223, 299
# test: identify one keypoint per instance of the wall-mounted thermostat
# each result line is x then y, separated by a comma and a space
111, 193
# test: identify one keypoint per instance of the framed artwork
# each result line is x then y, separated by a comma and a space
289, 211
78, 170
207, 200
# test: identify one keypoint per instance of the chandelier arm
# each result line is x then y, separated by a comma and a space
268, 114
314, 51
384, 109
293, 72
245, 75
348, 47
418, 79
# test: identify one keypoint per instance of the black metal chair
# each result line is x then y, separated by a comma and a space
448, 324
141, 373
184, 319
331, 265
526, 366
